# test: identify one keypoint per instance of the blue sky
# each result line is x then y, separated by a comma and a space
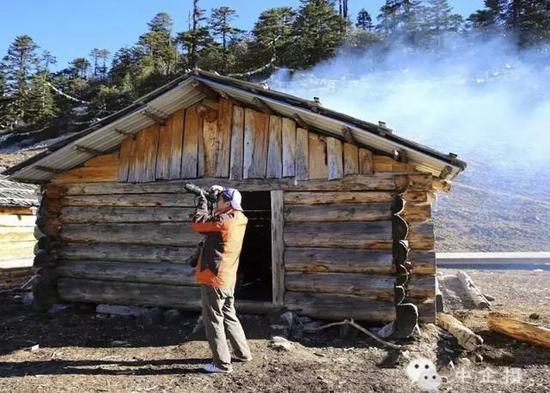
69, 28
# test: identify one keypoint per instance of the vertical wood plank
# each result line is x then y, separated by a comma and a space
274, 151
176, 145
335, 159
317, 157
193, 127
125, 158
151, 150
210, 146
237, 144
132, 162
289, 147
139, 161
302, 154
351, 159
256, 131
224, 138
277, 247
163, 155
366, 165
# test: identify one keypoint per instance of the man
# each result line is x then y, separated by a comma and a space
216, 271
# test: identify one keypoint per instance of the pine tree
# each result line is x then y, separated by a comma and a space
159, 47
18, 66
319, 29
438, 19
221, 27
399, 20
364, 20
273, 36
78, 68
197, 37
529, 20
40, 102
491, 18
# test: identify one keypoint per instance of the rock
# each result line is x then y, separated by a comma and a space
56, 308
151, 317
534, 316
386, 330
35, 348
172, 316
120, 310
280, 343
465, 362
28, 298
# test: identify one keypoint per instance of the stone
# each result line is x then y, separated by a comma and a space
57, 308
150, 317
113, 309
280, 343
172, 316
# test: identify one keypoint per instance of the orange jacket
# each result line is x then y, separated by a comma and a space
219, 258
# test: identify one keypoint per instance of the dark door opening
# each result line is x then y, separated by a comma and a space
254, 280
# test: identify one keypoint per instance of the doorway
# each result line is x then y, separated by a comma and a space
254, 277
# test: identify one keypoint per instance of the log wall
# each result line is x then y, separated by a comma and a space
116, 229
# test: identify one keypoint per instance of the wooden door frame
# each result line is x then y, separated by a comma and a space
277, 248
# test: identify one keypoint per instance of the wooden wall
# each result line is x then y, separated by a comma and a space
118, 229
17, 244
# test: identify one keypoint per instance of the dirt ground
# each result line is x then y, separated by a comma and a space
85, 352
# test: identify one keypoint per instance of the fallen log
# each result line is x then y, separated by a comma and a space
519, 330
465, 337
473, 291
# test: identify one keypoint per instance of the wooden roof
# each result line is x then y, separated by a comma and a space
107, 134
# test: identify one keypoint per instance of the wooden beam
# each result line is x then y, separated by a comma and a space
263, 105
157, 118
348, 136
519, 330
48, 169
206, 90
300, 121
126, 133
89, 150
277, 247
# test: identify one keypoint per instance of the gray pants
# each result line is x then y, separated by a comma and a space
218, 311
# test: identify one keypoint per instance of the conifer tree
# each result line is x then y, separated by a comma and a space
318, 31
197, 37
221, 27
364, 20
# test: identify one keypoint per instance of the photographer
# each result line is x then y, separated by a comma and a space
216, 271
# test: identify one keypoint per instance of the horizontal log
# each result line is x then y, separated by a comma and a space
337, 307
364, 285
368, 285
338, 260
16, 234
519, 330
18, 210
124, 293
335, 213
148, 200
330, 197
155, 273
423, 262
339, 234
16, 250
128, 252
415, 196
421, 235
87, 173
350, 183
174, 234
109, 214
17, 221
426, 310
466, 338
142, 294
417, 212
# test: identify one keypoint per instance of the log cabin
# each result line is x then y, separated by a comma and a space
339, 208
18, 203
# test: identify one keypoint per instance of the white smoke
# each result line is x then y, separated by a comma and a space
473, 97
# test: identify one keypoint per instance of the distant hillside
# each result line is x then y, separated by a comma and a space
495, 209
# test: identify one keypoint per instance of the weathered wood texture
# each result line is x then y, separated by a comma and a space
277, 247
519, 330
338, 260
17, 238
337, 306
155, 273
